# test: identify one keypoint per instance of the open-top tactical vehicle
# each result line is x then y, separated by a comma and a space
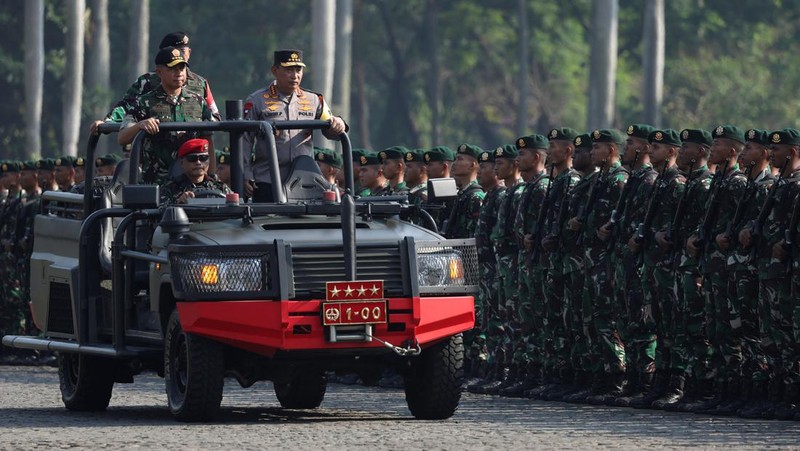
286, 291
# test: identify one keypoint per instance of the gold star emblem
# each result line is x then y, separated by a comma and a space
348, 291
335, 292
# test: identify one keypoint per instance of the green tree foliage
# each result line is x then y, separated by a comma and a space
726, 62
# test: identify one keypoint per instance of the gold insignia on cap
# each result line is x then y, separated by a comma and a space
520, 143
776, 138
185, 40
685, 134
751, 134
596, 134
363, 159
427, 157
383, 155
630, 129
409, 156
498, 152
554, 133
98, 162
58, 161
719, 130
485, 156
222, 159
294, 57
462, 148
38, 164
320, 157
176, 53
5, 167
79, 161
659, 136
578, 141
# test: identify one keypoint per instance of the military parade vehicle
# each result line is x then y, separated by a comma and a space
288, 292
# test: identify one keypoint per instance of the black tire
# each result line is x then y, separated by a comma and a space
193, 372
86, 382
305, 391
433, 382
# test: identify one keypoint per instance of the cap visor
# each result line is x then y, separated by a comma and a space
175, 63
293, 64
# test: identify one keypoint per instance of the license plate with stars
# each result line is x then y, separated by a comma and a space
354, 302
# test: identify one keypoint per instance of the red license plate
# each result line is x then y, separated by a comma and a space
354, 312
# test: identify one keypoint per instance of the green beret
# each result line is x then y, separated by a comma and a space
696, 135
79, 162
730, 132
65, 161
666, 136
440, 153
640, 130
564, 133
470, 149
788, 136
357, 154
369, 159
608, 136
583, 141
486, 157
47, 164
106, 160
393, 153
329, 156
29, 165
507, 151
757, 136
11, 166
414, 155
535, 141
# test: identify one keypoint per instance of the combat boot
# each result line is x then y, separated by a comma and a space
549, 380
789, 406
528, 379
758, 401
563, 386
610, 389
702, 395
643, 385
494, 373
674, 392
739, 393
656, 390
583, 383
507, 378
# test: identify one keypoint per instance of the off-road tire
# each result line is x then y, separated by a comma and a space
433, 382
193, 373
86, 382
306, 390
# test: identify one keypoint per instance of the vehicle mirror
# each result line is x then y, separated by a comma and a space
137, 197
442, 189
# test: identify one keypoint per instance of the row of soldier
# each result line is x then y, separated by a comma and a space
651, 268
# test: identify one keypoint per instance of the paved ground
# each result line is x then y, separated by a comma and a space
33, 417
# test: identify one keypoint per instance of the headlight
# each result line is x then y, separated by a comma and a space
204, 274
440, 269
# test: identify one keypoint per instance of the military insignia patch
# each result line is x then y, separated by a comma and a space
98, 162
685, 134
79, 162
751, 134
58, 162
578, 141
553, 133
409, 156
630, 129
427, 158
383, 155
485, 156
776, 138
294, 57
596, 134
520, 143
719, 130
320, 157
498, 152
659, 136
462, 148
363, 159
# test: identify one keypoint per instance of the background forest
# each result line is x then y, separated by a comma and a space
428, 72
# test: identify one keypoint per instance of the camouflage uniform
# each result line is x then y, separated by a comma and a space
173, 189
23, 250
11, 294
487, 320
467, 208
160, 149
397, 190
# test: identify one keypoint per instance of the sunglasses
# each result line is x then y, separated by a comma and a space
195, 157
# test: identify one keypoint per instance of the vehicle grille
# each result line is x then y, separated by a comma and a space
313, 267
59, 310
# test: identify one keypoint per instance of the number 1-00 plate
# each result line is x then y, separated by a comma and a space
353, 312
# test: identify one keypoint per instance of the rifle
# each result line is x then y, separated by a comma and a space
539, 226
680, 211
650, 214
758, 224
737, 215
710, 218
558, 223
621, 206
585, 209
788, 237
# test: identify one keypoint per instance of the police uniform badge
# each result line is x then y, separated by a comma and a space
630, 129
776, 138
659, 136
685, 135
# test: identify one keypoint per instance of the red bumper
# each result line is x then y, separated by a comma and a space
265, 327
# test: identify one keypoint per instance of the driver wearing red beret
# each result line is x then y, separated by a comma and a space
194, 157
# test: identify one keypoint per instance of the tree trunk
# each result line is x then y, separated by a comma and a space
323, 15
522, 112
73, 83
342, 77
98, 74
138, 62
434, 75
363, 108
653, 61
34, 76
603, 64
